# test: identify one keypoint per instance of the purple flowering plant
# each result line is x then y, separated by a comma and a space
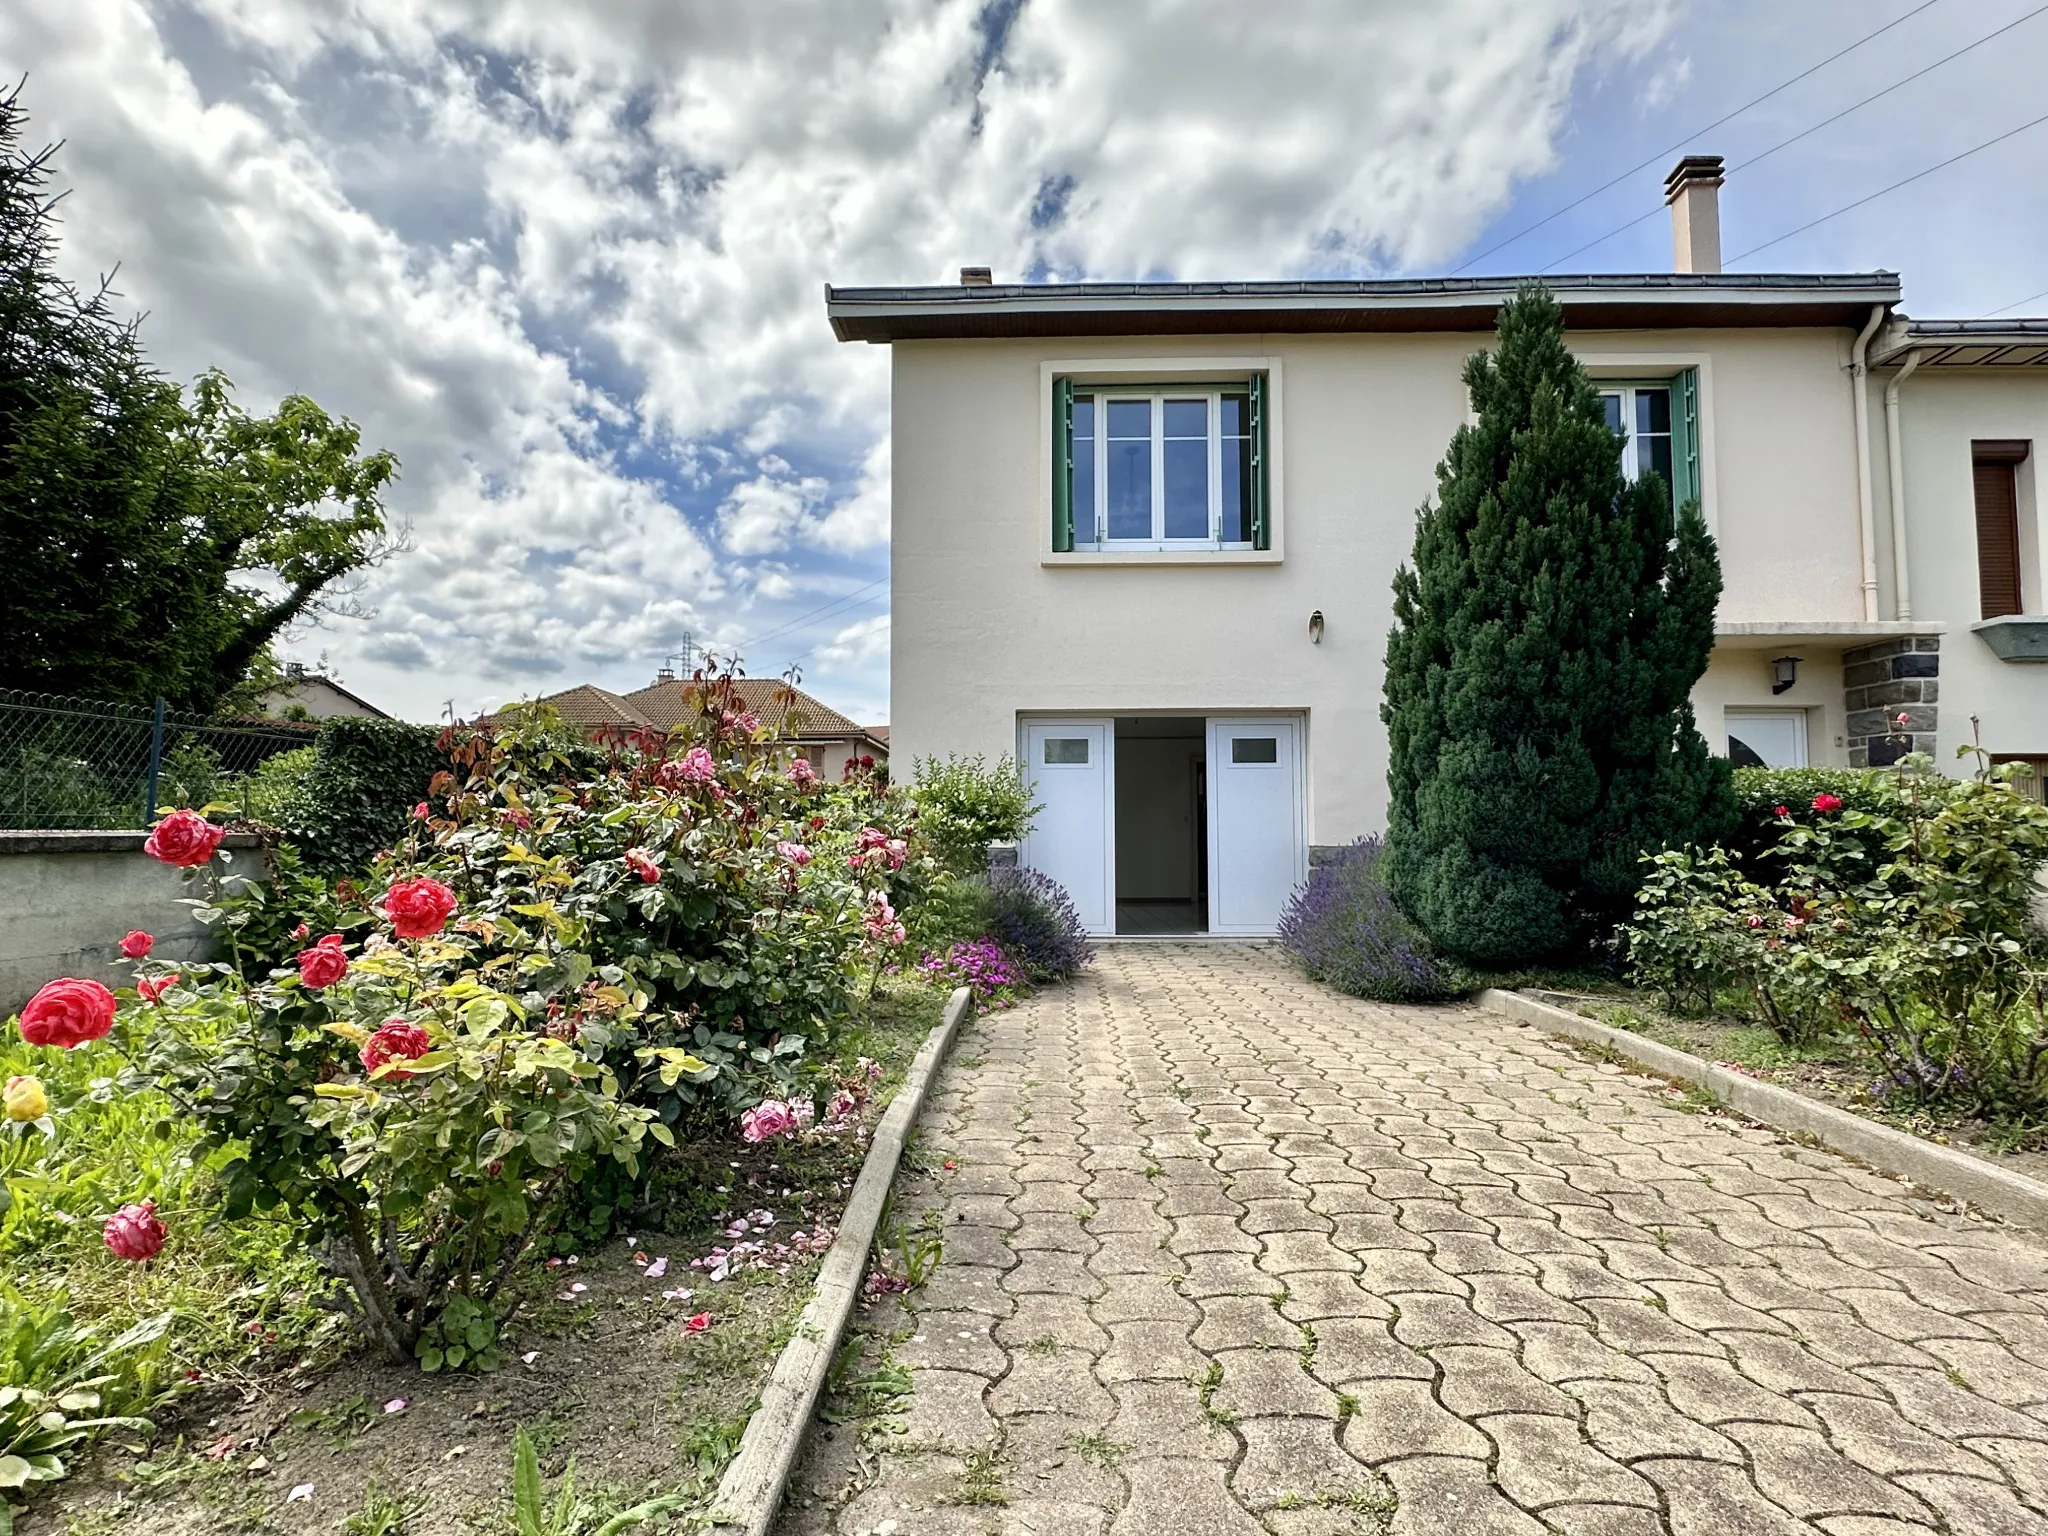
979, 965
1343, 927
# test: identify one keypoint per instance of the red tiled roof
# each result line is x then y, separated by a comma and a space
666, 704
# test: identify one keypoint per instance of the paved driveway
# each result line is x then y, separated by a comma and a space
1226, 1251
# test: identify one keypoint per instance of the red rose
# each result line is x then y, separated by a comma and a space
134, 1233
1825, 802
418, 908
68, 1012
152, 992
136, 945
184, 838
1781, 810
642, 864
395, 1040
324, 964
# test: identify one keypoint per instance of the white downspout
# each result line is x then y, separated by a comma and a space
1866, 511
1902, 582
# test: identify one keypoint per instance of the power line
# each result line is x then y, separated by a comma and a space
805, 618
1905, 181
1689, 138
1765, 154
2015, 304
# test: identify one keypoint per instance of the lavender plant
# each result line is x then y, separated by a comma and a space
1033, 918
1344, 929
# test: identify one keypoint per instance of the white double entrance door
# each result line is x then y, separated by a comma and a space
1249, 789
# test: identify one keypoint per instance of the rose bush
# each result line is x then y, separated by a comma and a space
67, 1013
1925, 953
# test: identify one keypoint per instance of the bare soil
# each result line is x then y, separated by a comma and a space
608, 1376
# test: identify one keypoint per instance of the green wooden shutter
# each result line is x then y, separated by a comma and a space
1262, 517
1685, 437
1063, 465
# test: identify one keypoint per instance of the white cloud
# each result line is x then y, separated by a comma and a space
855, 645
565, 259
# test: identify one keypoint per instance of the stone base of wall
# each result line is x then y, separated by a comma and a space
66, 898
1880, 683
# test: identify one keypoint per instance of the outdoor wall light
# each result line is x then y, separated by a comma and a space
1784, 672
1315, 627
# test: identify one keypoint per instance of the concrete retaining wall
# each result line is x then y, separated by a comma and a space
66, 898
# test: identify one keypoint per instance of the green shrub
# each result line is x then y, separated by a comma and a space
263, 923
964, 804
1548, 632
365, 779
274, 791
1925, 952
1758, 830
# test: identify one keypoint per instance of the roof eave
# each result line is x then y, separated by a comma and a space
1593, 301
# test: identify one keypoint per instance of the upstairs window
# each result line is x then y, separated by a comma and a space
1159, 467
1658, 423
1994, 482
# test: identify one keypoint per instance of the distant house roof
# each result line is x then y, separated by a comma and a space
879, 732
665, 704
1595, 301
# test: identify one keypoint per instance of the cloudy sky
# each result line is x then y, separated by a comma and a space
564, 257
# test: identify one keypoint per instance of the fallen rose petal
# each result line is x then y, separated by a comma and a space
579, 1288
302, 1491
698, 1323
529, 1357
396, 1405
658, 1268
220, 1447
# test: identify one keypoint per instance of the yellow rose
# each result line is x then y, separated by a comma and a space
25, 1099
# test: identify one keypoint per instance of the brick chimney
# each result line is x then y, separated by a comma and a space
976, 277
1693, 189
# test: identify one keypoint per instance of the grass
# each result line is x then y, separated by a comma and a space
981, 1480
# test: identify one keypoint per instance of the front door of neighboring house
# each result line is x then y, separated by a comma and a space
1767, 738
1258, 838
1073, 838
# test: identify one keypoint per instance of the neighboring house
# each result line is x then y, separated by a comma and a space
821, 733
307, 695
1144, 534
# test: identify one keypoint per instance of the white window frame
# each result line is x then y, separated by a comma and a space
1631, 463
1611, 369
1198, 371
1101, 398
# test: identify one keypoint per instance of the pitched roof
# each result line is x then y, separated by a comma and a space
595, 707
667, 703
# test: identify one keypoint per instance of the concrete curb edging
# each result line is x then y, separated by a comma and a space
1998, 1190
750, 1493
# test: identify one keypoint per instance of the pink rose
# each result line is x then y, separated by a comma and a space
394, 1040
68, 1012
766, 1120
795, 853
641, 863
697, 766
421, 811
419, 908
802, 774
1825, 802
324, 964
152, 992
136, 945
184, 838
134, 1233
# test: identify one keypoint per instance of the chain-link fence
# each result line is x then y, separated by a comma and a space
77, 763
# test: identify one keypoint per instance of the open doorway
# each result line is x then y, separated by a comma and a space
1162, 818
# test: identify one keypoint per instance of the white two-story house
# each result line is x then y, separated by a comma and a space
1144, 536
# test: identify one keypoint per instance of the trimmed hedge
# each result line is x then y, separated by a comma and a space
366, 777
1760, 791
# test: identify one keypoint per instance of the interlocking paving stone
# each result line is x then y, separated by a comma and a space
1227, 1254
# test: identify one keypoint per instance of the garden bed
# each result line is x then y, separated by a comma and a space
605, 1370
1827, 1070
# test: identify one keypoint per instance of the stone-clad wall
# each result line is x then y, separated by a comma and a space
1882, 681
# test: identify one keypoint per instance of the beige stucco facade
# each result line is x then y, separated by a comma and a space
991, 625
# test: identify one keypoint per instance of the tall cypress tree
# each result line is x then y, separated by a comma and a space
1546, 639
